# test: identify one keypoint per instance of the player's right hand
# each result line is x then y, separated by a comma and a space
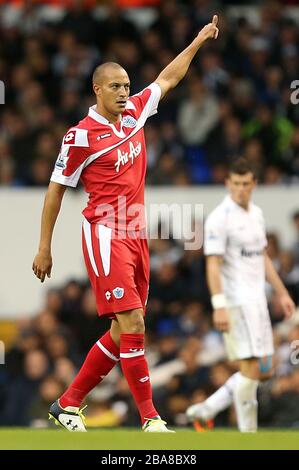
42, 265
221, 319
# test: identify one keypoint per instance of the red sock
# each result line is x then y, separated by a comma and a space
99, 361
135, 370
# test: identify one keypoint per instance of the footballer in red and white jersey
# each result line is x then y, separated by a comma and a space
110, 160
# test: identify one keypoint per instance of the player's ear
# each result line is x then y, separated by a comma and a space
96, 89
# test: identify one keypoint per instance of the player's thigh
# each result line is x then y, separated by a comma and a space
238, 339
250, 333
110, 261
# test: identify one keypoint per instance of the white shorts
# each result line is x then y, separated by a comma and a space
250, 333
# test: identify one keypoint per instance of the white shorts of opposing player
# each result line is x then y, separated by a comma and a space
250, 331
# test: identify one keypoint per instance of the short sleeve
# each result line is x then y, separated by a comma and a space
215, 235
71, 159
146, 102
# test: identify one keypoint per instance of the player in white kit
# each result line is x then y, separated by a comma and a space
237, 268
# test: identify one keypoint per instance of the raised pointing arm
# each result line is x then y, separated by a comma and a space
177, 69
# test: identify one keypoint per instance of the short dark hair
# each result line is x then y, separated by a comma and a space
242, 166
101, 69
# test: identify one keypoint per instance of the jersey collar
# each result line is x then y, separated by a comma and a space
229, 201
102, 120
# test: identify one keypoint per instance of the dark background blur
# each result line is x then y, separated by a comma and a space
235, 100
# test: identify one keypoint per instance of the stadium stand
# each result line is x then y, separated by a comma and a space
235, 101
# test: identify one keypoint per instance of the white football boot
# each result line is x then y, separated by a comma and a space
155, 425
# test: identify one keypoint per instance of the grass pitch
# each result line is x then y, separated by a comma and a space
33, 439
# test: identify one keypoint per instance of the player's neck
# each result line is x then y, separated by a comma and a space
243, 205
114, 119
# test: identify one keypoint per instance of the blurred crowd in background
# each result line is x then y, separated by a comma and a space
234, 101
186, 356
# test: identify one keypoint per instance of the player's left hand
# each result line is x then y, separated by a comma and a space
210, 30
287, 305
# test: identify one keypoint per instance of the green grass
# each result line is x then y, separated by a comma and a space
132, 439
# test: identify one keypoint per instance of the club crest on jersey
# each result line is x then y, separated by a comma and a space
125, 157
70, 138
129, 121
118, 292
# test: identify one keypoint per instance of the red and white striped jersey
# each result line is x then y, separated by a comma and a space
110, 160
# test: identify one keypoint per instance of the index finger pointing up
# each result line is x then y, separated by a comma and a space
215, 20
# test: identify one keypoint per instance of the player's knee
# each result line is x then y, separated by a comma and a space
137, 322
250, 368
132, 322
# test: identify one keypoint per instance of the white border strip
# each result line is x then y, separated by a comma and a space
132, 354
87, 236
105, 351
105, 247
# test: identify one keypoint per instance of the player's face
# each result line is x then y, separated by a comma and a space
113, 92
241, 187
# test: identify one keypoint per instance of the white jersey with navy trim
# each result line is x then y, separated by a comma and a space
238, 235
